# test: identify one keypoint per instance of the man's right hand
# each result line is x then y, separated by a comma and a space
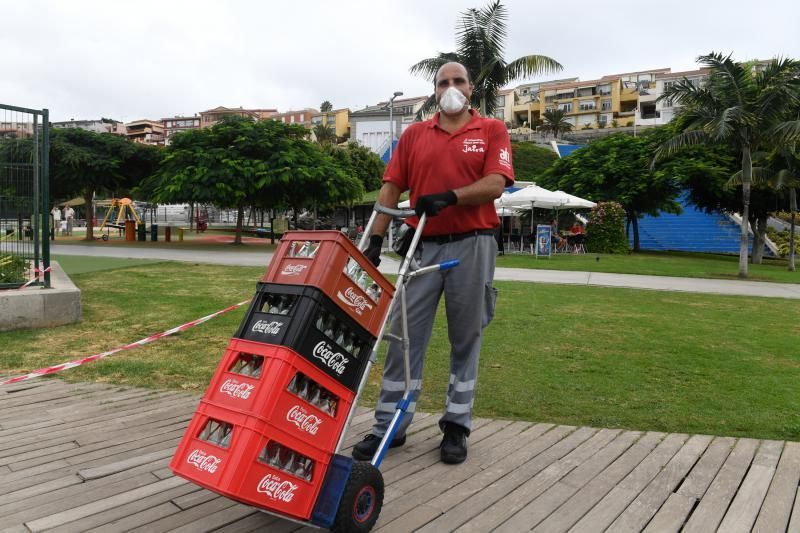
373, 251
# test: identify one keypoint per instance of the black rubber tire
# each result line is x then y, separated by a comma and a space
105, 237
361, 501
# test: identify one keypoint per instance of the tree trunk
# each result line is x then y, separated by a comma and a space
87, 199
635, 225
759, 239
191, 215
272, 226
747, 175
793, 209
483, 106
239, 220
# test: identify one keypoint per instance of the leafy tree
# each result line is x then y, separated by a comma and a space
480, 47
617, 167
84, 162
325, 106
740, 108
555, 121
530, 160
324, 134
239, 162
605, 232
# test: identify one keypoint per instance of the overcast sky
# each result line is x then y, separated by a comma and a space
152, 59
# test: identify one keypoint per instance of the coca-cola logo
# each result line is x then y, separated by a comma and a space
276, 488
237, 390
267, 328
336, 361
354, 300
304, 420
203, 461
293, 270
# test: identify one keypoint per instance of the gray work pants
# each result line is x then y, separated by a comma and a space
469, 301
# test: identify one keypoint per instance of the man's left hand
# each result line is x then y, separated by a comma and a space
432, 204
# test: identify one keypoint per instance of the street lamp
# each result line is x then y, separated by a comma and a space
391, 122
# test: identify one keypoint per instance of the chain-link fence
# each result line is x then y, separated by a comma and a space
24, 196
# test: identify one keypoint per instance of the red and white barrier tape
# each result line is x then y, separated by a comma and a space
34, 280
142, 342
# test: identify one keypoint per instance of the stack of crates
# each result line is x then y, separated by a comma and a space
267, 427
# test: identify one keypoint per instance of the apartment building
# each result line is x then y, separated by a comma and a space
103, 125
336, 119
301, 117
370, 126
212, 116
145, 132
525, 109
173, 125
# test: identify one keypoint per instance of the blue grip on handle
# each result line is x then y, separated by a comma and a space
448, 264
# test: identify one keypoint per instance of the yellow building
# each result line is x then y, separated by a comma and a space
587, 104
336, 119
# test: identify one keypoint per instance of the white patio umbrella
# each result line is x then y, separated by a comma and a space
576, 202
534, 196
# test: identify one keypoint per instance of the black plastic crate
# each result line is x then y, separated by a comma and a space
304, 319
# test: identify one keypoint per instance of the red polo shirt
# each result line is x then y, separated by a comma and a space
429, 160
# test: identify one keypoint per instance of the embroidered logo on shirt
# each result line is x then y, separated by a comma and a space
474, 145
505, 158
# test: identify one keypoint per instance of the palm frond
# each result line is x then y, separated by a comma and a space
428, 108
427, 68
492, 19
531, 65
728, 75
682, 140
761, 176
787, 132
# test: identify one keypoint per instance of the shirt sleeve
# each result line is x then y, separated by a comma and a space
498, 156
397, 170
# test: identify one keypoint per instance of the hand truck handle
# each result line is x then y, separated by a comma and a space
397, 213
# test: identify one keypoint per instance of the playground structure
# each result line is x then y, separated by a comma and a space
123, 207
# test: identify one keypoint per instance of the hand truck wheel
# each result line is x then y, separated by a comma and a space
105, 237
361, 501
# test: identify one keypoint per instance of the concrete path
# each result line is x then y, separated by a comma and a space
390, 266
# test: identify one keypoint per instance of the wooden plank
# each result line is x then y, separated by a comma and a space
706, 469
777, 507
647, 503
128, 509
514, 515
42, 488
587, 497
184, 517
82, 511
542, 506
794, 523
57, 450
219, 519
69, 497
126, 464
709, 512
145, 516
744, 509
195, 498
613, 503
672, 515
257, 521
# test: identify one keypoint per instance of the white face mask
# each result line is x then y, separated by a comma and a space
452, 101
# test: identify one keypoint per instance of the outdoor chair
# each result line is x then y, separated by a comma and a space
576, 243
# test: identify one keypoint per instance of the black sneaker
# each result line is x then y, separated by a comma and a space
453, 448
365, 450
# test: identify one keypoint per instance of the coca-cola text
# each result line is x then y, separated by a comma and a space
336, 361
267, 328
276, 489
354, 300
204, 462
304, 420
237, 390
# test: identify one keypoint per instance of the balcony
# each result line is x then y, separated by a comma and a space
620, 114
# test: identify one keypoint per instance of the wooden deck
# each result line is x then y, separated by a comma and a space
91, 457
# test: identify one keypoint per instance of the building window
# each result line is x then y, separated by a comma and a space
605, 105
500, 101
604, 90
291, 120
302, 117
587, 106
567, 108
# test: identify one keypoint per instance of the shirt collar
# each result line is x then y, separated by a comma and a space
473, 124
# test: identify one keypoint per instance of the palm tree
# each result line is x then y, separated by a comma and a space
555, 121
480, 41
323, 134
781, 175
739, 107
325, 106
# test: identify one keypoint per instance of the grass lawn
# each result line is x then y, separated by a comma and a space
688, 265
577, 355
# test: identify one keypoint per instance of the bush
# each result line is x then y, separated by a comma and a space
12, 269
781, 240
605, 233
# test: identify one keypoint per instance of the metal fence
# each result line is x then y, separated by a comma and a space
24, 191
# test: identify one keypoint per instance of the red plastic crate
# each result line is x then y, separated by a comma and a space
268, 399
236, 471
275, 489
326, 271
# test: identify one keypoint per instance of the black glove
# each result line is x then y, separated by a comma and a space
373, 251
432, 204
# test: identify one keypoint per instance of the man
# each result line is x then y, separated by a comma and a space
454, 165
69, 215
56, 212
